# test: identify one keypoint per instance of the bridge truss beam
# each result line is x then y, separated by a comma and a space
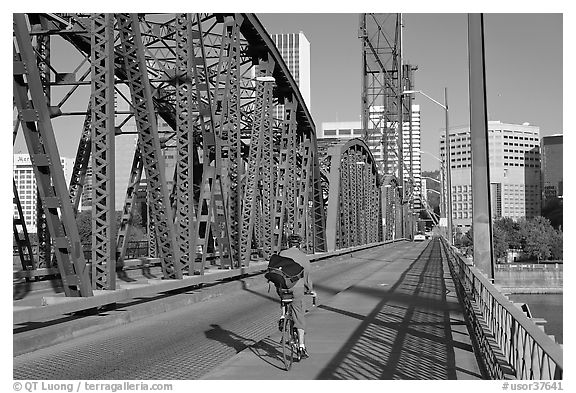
245, 177
354, 201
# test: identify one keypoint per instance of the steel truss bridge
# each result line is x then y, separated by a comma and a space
249, 169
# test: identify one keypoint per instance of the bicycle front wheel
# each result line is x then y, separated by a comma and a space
286, 343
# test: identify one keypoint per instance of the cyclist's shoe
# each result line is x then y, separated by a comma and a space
303, 353
281, 323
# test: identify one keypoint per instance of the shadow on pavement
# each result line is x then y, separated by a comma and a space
231, 339
269, 351
408, 334
20, 290
266, 349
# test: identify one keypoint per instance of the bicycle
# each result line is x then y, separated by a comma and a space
289, 341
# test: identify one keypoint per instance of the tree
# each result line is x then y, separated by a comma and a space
536, 237
511, 232
556, 245
84, 222
500, 242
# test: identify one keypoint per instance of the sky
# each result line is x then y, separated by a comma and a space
523, 67
523, 70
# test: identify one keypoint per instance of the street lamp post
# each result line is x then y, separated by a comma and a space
447, 155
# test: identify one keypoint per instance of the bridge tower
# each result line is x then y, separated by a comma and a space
384, 112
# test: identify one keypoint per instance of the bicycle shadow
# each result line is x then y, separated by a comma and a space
267, 350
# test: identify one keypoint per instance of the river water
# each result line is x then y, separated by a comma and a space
546, 306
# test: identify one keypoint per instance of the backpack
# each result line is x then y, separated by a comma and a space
284, 272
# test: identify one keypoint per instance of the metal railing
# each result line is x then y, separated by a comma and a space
510, 344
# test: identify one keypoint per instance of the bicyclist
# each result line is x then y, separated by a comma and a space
303, 286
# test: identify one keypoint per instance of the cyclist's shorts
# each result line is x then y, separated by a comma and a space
298, 308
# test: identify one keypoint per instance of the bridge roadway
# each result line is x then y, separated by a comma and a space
385, 313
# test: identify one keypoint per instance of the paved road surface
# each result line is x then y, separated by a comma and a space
189, 342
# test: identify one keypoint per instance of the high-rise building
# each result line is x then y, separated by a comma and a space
295, 51
514, 158
26, 185
552, 170
411, 153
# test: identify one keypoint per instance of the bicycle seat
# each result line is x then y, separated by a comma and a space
286, 295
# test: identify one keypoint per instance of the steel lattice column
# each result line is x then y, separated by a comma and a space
353, 212
317, 214
262, 110
102, 103
39, 135
211, 205
185, 217
335, 227
287, 147
42, 47
135, 65
291, 186
304, 183
268, 174
229, 126
344, 191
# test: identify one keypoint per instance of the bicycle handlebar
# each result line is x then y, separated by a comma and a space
314, 295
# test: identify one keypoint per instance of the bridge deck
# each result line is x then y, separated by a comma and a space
402, 322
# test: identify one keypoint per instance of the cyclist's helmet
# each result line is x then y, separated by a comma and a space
294, 240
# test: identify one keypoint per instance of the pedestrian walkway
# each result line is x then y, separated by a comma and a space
403, 322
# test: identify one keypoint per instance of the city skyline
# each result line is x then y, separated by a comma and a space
437, 44
517, 91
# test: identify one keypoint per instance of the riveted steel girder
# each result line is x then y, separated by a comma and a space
211, 205
37, 128
149, 143
216, 143
268, 178
283, 185
228, 127
103, 148
42, 47
317, 211
263, 111
304, 182
184, 172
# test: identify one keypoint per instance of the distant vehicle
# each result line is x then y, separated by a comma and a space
419, 237
428, 234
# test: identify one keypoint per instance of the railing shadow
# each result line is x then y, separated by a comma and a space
408, 334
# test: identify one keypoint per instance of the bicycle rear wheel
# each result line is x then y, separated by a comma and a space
286, 343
